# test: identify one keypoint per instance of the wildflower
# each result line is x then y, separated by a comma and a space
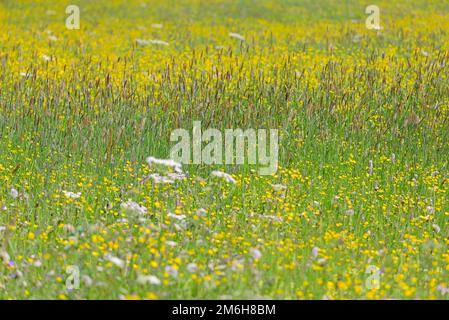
157, 26
87, 280
350, 212
171, 270
255, 253
176, 216
143, 42
157, 178
176, 176
236, 36
442, 289
151, 296
46, 58
315, 252
5, 256
274, 218
14, 193
133, 207
52, 38
223, 175
201, 212
72, 195
165, 162
69, 228
171, 243
117, 261
144, 279
192, 267
279, 187
37, 263
436, 228
237, 265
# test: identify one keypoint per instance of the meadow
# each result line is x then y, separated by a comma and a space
358, 208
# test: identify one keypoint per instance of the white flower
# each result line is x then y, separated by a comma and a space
442, 289
171, 243
5, 256
69, 228
117, 261
87, 280
171, 271
350, 212
26, 74
436, 228
255, 253
201, 212
72, 195
37, 263
176, 175
46, 58
176, 216
144, 279
279, 187
143, 42
237, 265
52, 38
157, 26
223, 175
315, 252
157, 178
165, 162
274, 218
236, 36
133, 207
14, 193
192, 267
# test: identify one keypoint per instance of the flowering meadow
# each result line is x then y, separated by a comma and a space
92, 207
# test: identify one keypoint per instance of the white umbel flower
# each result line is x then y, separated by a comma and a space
223, 175
144, 279
14, 193
236, 36
144, 42
72, 195
165, 162
134, 207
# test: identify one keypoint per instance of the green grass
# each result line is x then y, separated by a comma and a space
340, 95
